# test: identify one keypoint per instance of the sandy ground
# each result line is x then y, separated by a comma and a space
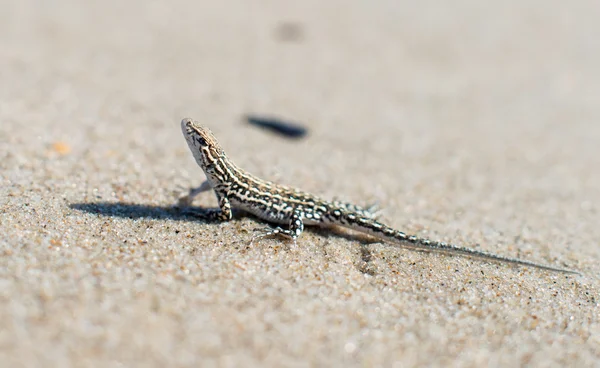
469, 123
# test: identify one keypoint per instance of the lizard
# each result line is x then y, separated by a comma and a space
279, 204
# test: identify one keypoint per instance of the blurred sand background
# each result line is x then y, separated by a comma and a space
469, 122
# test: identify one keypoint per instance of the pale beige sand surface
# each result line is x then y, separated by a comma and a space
470, 122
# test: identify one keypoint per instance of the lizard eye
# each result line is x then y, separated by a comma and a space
201, 141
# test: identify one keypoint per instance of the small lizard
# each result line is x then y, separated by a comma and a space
235, 188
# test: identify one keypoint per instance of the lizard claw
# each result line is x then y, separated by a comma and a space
265, 232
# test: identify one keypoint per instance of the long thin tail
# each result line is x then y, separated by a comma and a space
387, 233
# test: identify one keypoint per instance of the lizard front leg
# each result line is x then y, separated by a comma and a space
223, 213
187, 200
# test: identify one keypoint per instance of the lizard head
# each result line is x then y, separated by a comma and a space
202, 142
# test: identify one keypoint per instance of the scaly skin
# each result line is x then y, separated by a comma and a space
280, 204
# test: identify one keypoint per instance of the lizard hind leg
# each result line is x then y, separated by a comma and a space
372, 211
296, 226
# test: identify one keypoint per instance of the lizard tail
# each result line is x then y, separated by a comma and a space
387, 233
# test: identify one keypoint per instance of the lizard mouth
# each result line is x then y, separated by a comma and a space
187, 127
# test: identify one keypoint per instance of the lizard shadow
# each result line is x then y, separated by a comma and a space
136, 211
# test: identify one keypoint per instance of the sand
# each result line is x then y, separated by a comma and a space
476, 124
